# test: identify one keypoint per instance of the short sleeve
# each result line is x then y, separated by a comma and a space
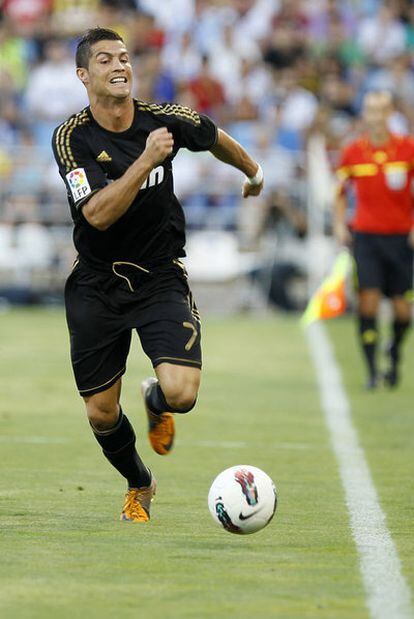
197, 131
410, 143
80, 172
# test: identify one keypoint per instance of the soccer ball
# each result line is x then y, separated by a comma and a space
242, 499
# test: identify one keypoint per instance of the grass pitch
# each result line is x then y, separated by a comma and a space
64, 552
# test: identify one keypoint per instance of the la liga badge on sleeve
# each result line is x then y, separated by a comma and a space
78, 183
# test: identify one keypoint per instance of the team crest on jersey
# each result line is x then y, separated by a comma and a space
395, 177
78, 184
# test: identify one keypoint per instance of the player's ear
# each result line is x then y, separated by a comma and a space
83, 75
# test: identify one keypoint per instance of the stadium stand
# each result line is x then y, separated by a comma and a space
279, 74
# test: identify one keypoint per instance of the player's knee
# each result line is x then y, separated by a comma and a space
402, 310
182, 398
102, 415
368, 303
180, 387
183, 404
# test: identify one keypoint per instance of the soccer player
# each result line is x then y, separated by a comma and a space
115, 158
378, 169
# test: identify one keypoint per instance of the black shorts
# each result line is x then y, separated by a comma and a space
102, 309
384, 261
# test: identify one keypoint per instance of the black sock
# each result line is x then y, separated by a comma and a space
118, 446
368, 334
399, 331
158, 404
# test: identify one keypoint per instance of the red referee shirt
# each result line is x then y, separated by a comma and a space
382, 179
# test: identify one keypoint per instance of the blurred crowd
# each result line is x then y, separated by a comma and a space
272, 72
263, 67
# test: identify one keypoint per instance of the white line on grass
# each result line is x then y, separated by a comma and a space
388, 595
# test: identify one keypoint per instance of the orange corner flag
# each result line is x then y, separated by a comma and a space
329, 300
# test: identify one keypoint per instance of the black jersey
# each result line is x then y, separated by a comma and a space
89, 157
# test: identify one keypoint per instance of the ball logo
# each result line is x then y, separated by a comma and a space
246, 480
224, 518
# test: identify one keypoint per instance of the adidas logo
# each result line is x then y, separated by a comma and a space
103, 157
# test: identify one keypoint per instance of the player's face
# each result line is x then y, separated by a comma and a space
109, 72
376, 112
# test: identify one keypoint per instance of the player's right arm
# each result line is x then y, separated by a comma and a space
340, 226
103, 203
109, 204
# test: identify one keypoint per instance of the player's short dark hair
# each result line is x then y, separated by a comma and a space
92, 36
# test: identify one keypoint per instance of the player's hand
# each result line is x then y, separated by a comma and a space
159, 145
251, 190
342, 234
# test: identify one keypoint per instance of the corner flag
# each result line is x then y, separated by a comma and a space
329, 300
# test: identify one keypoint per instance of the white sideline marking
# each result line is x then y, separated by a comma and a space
388, 595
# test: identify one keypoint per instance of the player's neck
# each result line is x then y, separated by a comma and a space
113, 114
378, 138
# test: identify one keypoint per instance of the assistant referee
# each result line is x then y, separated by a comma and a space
115, 158
376, 176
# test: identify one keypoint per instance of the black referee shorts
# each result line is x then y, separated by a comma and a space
384, 261
102, 309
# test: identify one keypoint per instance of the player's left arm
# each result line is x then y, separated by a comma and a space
198, 132
228, 150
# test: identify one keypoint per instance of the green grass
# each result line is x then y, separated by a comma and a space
65, 554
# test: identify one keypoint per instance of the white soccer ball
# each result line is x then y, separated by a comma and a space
242, 499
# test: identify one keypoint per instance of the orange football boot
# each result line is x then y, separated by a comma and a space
138, 502
161, 428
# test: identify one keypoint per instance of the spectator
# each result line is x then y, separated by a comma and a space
144, 34
228, 60
53, 91
337, 43
11, 123
286, 41
295, 109
70, 16
14, 56
382, 37
175, 16
396, 77
254, 18
154, 83
338, 94
207, 92
26, 18
328, 13
182, 58
208, 22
